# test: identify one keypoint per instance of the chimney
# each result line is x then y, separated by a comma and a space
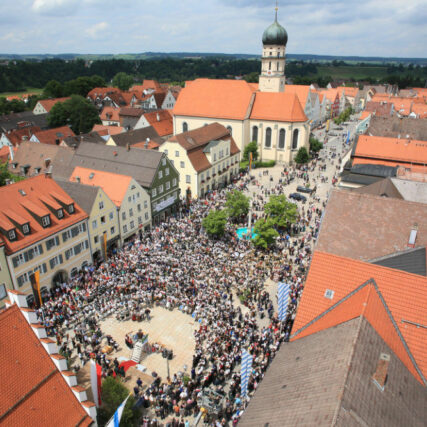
146, 143
127, 147
47, 162
380, 376
158, 117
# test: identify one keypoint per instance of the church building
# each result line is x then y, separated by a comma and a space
263, 112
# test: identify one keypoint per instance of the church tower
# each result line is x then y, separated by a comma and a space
274, 39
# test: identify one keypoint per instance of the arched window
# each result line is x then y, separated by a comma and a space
230, 129
269, 65
277, 65
295, 139
282, 135
255, 133
184, 127
267, 138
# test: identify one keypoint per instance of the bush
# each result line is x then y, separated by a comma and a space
252, 147
302, 156
266, 164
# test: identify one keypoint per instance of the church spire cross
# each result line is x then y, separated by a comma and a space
276, 9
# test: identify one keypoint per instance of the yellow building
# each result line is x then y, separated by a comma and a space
42, 229
132, 202
5, 280
264, 112
206, 158
103, 223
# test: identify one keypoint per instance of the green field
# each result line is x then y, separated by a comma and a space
358, 72
35, 91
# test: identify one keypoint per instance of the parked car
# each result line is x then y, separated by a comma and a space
298, 196
303, 189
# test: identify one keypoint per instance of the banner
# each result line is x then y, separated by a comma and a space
245, 372
115, 419
95, 379
283, 298
35, 285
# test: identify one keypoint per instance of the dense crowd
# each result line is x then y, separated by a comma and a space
177, 266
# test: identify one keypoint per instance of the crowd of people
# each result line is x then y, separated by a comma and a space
219, 282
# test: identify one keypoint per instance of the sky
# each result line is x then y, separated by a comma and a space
324, 27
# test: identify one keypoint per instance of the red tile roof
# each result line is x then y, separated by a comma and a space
146, 84
5, 153
107, 130
391, 149
161, 121
278, 106
301, 91
34, 393
110, 114
49, 103
20, 135
404, 294
101, 92
26, 196
54, 136
152, 145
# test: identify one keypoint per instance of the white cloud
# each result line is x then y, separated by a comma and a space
96, 30
55, 7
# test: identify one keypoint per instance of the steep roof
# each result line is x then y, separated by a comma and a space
18, 136
135, 136
131, 112
84, 195
223, 99
395, 127
363, 226
360, 288
110, 114
49, 103
107, 130
410, 260
54, 136
18, 120
348, 91
31, 198
277, 106
391, 149
114, 185
75, 141
161, 121
301, 91
383, 187
33, 390
101, 92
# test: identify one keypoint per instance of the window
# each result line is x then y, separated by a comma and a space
145, 204
3, 292
26, 228
130, 212
139, 208
184, 127
73, 232
60, 213
188, 179
46, 221
12, 235
295, 139
71, 209
164, 161
111, 215
94, 224
139, 220
214, 157
226, 151
103, 220
269, 65
160, 174
132, 225
168, 185
129, 199
167, 171
267, 138
282, 135
51, 243
146, 215
23, 278
172, 162
160, 188
182, 164
138, 195
101, 205
174, 182
125, 229
74, 271
96, 239
329, 294
56, 261
176, 153
230, 130
166, 152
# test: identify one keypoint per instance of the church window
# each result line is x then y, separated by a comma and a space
282, 135
277, 65
230, 130
184, 127
295, 139
255, 133
268, 138
271, 53
269, 65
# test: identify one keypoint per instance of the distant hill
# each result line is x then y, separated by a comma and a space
181, 55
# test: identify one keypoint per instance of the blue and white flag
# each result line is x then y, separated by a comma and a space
348, 137
115, 420
245, 372
283, 298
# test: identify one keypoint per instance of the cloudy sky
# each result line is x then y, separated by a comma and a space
335, 27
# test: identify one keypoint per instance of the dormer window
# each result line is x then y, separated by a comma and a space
12, 235
71, 209
46, 221
60, 213
26, 229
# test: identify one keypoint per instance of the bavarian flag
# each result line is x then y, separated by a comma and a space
35, 285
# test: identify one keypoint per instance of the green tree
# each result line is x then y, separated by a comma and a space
214, 223
78, 112
302, 156
252, 147
265, 232
123, 81
237, 204
83, 85
281, 211
315, 145
112, 395
6, 175
53, 89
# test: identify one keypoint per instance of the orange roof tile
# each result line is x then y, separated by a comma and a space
391, 149
364, 115
226, 99
33, 390
301, 91
114, 185
279, 106
151, 145
110, 114
146, 84
5, 153
409, 166
102, 91
26, 196
161, 121
49, 103
54, 136
348, 91
107, 130
404, 294
331, 94
420, 110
